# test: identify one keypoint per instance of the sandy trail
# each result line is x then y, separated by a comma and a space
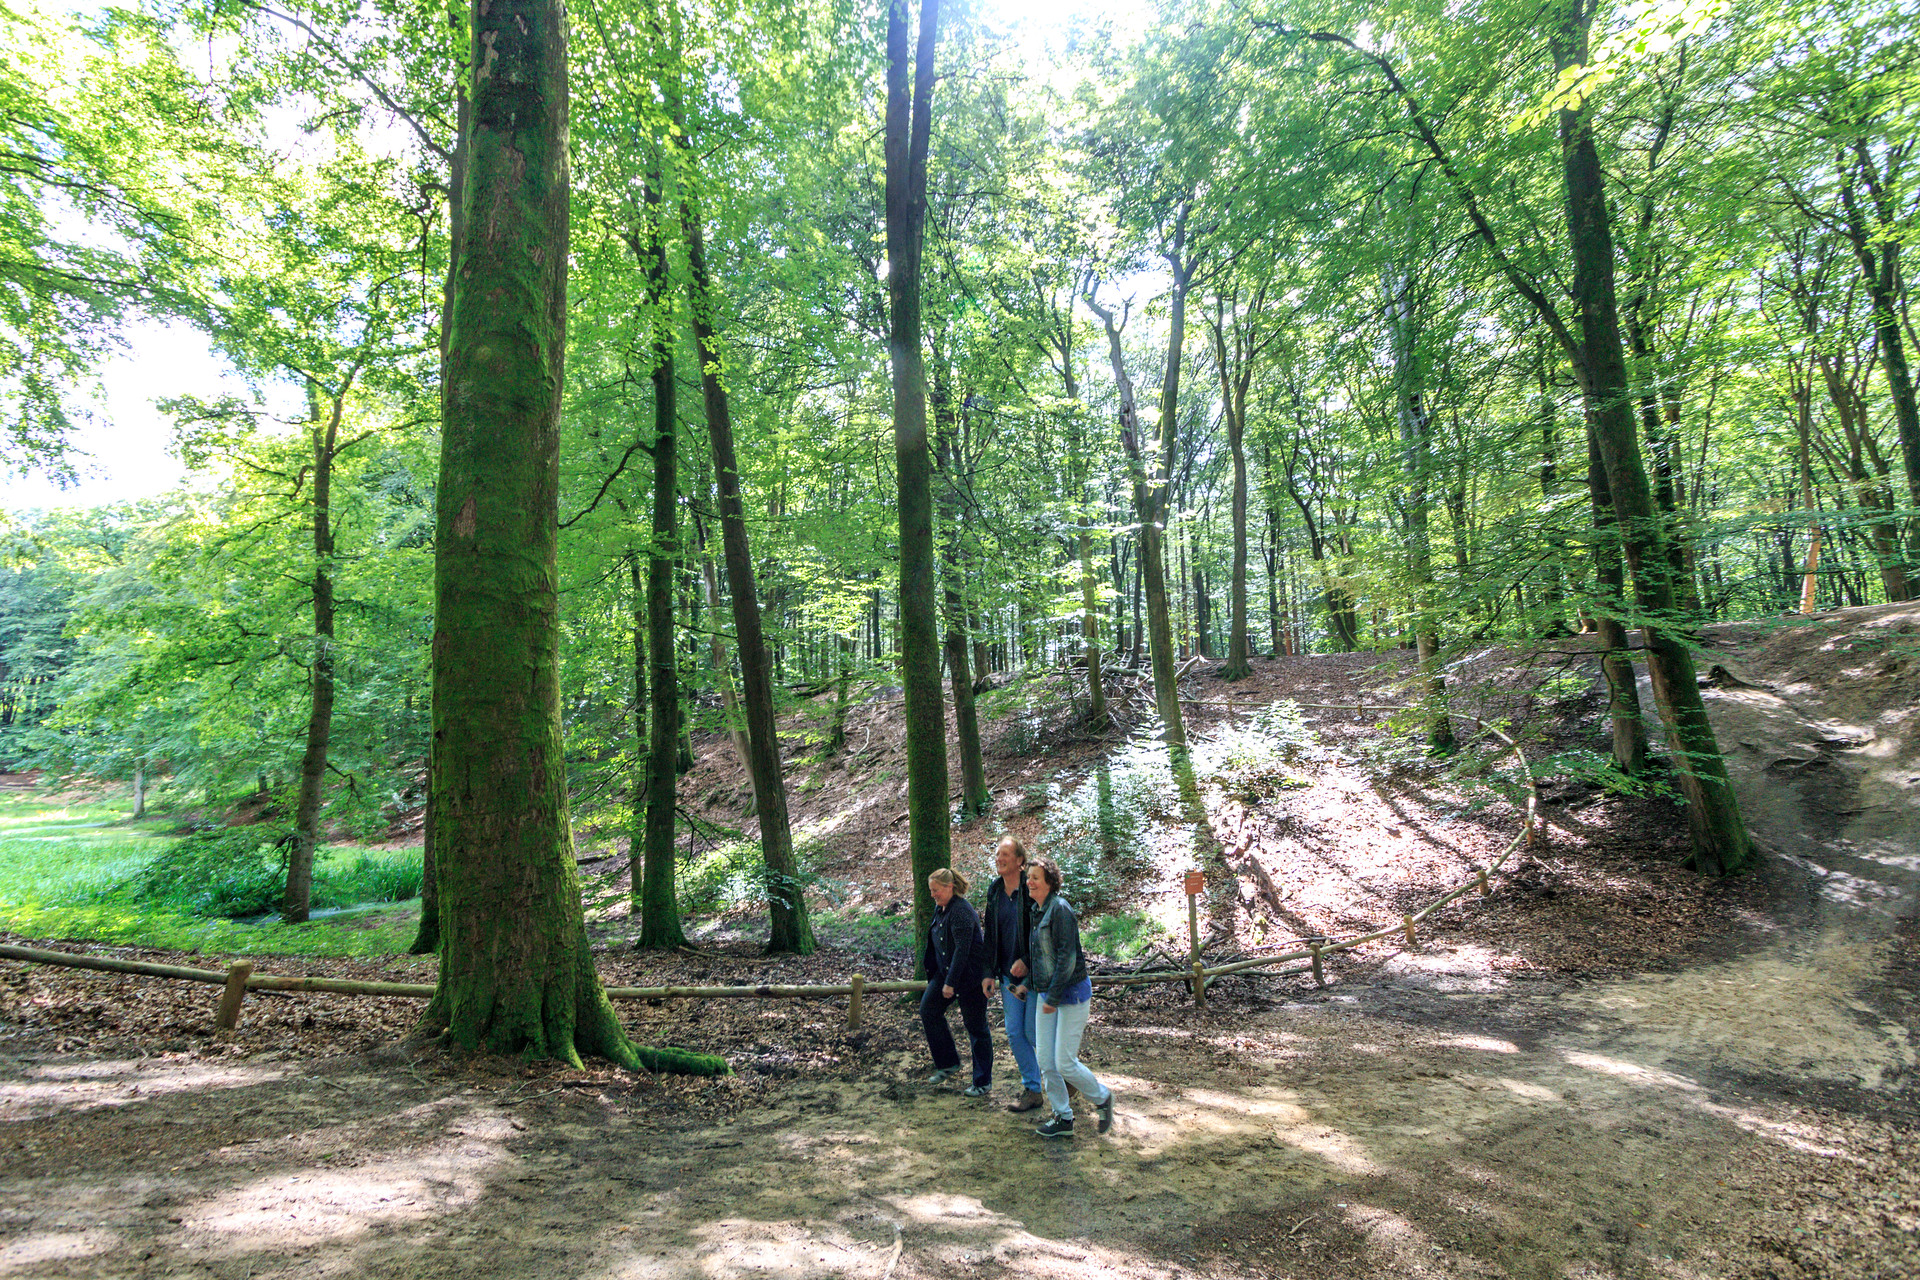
1421, 1120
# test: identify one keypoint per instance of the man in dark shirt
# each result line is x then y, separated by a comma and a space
1004, 914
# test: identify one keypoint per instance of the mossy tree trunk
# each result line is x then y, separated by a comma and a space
909, 124
516, 971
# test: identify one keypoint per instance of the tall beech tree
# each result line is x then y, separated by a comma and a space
516, 971
909, 125
1719, 838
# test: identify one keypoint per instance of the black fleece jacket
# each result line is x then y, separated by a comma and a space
955, 948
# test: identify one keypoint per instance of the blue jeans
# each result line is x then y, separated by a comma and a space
1019, 1012
1056, 1041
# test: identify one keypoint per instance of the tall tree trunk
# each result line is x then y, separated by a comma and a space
325, 434
516, 970
1720, 841
139, 788
909, 123
791, 931
659, 906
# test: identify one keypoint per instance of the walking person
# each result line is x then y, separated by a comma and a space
1004, 915
954, 962
1065, 996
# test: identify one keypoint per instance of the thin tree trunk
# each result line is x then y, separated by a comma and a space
1416, 439
659, 906
1151, 492
295, 904
790, 929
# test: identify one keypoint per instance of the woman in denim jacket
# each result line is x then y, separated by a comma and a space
1059, 980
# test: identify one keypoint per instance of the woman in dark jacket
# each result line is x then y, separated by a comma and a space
956, 951
1060, 983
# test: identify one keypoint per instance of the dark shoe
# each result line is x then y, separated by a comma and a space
1056, 1128
1105, 1111
943, 1075
1028, 1101
979, 1090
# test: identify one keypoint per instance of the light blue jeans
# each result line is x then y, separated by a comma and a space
1019, 1017
1056, 1042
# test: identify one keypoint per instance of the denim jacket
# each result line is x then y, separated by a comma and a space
1053, 949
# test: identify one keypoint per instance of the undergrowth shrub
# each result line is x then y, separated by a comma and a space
1253, 761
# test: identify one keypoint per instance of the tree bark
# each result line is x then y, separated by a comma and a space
296, 902
1628, 725
1416, 442
516, 970
659, 906
791, 931
909, 123
1721, 844
1150, 499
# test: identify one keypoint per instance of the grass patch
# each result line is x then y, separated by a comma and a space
84, 872
1123, 935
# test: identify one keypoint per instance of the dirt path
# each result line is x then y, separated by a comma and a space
1750, 1112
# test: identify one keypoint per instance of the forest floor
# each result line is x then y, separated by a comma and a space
1607, 1068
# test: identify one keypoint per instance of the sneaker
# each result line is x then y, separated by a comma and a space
1056, 1128
979, 1090
1105, 1110
1029, 1100
943, 1075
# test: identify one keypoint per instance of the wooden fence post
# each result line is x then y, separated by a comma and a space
227, 1017
1319, 976
1406, 922
859, 985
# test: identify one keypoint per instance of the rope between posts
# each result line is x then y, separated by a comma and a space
240, 978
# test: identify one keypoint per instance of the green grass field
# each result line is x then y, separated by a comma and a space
65, 867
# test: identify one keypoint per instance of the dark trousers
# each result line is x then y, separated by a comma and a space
973, 1012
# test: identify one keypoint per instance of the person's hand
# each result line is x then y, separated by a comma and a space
1048, 1008
986, 986
947, 992
1019, 969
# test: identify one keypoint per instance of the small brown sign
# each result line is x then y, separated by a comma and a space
1196, 883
